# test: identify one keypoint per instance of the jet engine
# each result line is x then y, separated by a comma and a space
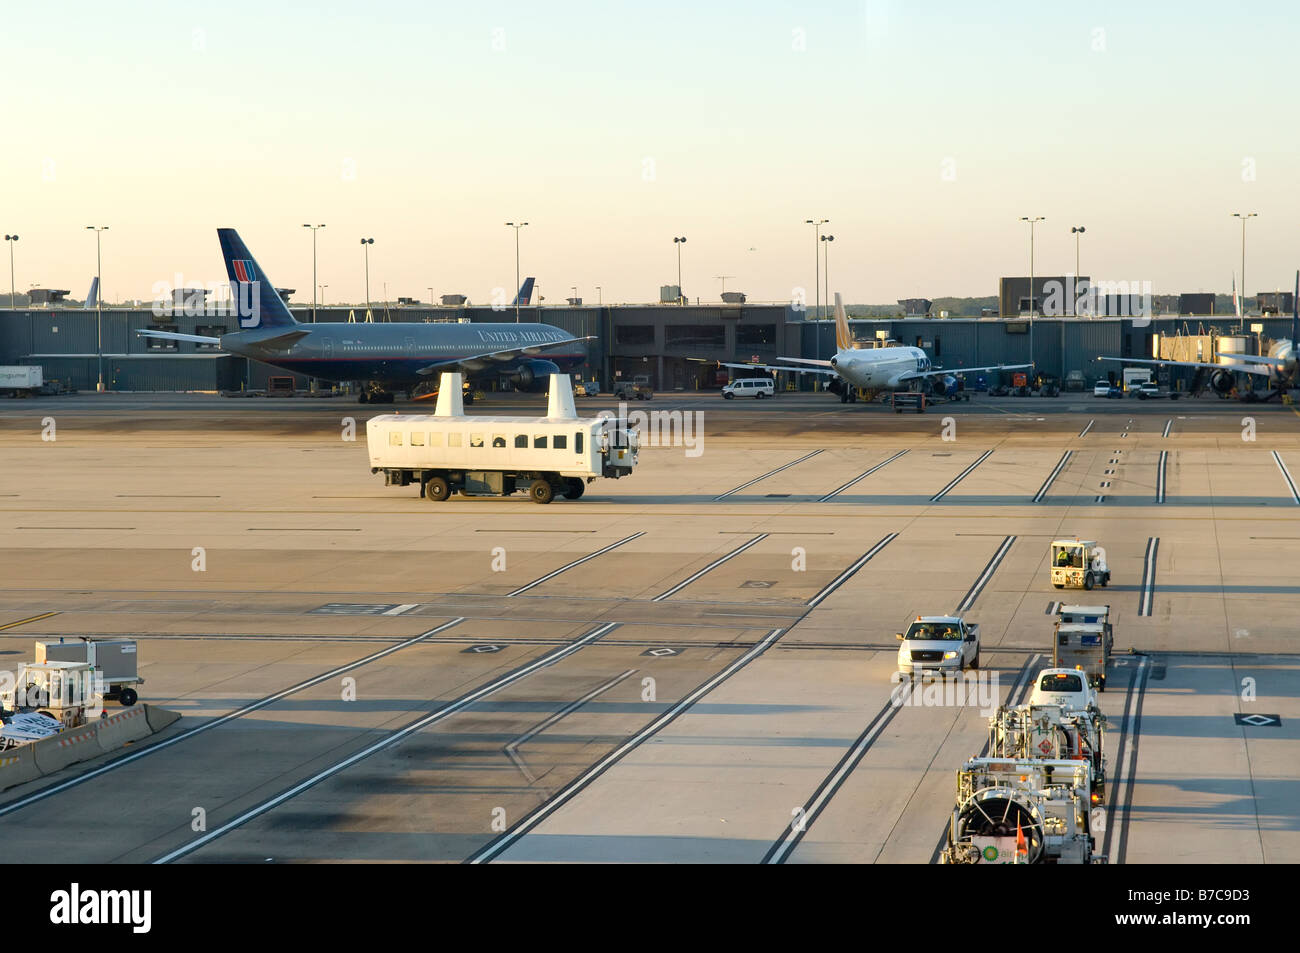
534, 375
1221, 382
944, 386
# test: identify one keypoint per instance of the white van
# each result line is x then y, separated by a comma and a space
757, 387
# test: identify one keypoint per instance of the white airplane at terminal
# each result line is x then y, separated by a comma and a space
875, 369
1279, 366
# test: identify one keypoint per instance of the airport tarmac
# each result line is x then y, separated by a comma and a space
688, 665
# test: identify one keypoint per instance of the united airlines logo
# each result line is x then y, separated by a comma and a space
244, 270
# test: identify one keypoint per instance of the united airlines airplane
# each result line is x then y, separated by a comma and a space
386, 357
876, 369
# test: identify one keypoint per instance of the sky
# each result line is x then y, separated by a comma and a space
922, 131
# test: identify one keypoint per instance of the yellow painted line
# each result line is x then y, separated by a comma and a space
35, 618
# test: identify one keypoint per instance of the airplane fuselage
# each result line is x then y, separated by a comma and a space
393, 354
880, 368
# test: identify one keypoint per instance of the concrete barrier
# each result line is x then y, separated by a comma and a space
17, 766
159, 718
65, 748
128, 725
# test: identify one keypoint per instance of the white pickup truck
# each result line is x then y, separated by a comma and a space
939, 645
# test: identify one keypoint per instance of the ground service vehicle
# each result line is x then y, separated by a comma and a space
1078, 563
1150, 390
115, 659
21, 380
757, 387
938, 645
1134, 377
1083, 640
65, 691
449, 452
1053, 732
1065, 687
638, 388
1106, 389
1022, 811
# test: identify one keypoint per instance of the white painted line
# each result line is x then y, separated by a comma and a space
398, 610
961, 476
1047, 484
448, 709
974, 592
829, 787
1286, 475
1168, 425
759, 479
512, 749
1147, 597
861, 476
1161, 468
846, 574
1084, 431
230, 716
577, 562
570, 790
711, 566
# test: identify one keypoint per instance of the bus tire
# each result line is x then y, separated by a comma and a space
541, 491
437, 489
573, 488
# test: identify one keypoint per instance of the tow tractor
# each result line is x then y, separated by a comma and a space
68, 692
1078, 564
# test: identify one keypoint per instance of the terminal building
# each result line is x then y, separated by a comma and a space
679, 347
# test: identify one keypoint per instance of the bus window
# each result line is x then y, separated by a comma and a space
475, 440
498, 441
560, 442
521, 441
577, 442
539, 442
394, 439
454, 439
417, 440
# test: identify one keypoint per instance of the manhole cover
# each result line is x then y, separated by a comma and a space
757, 584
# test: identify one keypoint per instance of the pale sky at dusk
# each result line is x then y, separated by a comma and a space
923, 131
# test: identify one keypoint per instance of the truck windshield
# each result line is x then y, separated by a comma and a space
946, 631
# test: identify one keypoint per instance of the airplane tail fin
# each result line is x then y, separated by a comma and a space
843, 336
525, 295
259, 304
92, 296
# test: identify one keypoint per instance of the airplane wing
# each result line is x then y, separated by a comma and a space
175, 336
475, 363
804, 360
919, 375
790, 370
1218, 367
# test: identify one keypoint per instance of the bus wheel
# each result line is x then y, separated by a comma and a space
573, 488
541, 491
436, 490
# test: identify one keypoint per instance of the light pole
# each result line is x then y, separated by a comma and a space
365, 244
679, 242
11, 239
826, 266
1076, 231
1033, 367
99, 299
1243, 218
314, 229
598, 301
517, 284
322, 293
430, 295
